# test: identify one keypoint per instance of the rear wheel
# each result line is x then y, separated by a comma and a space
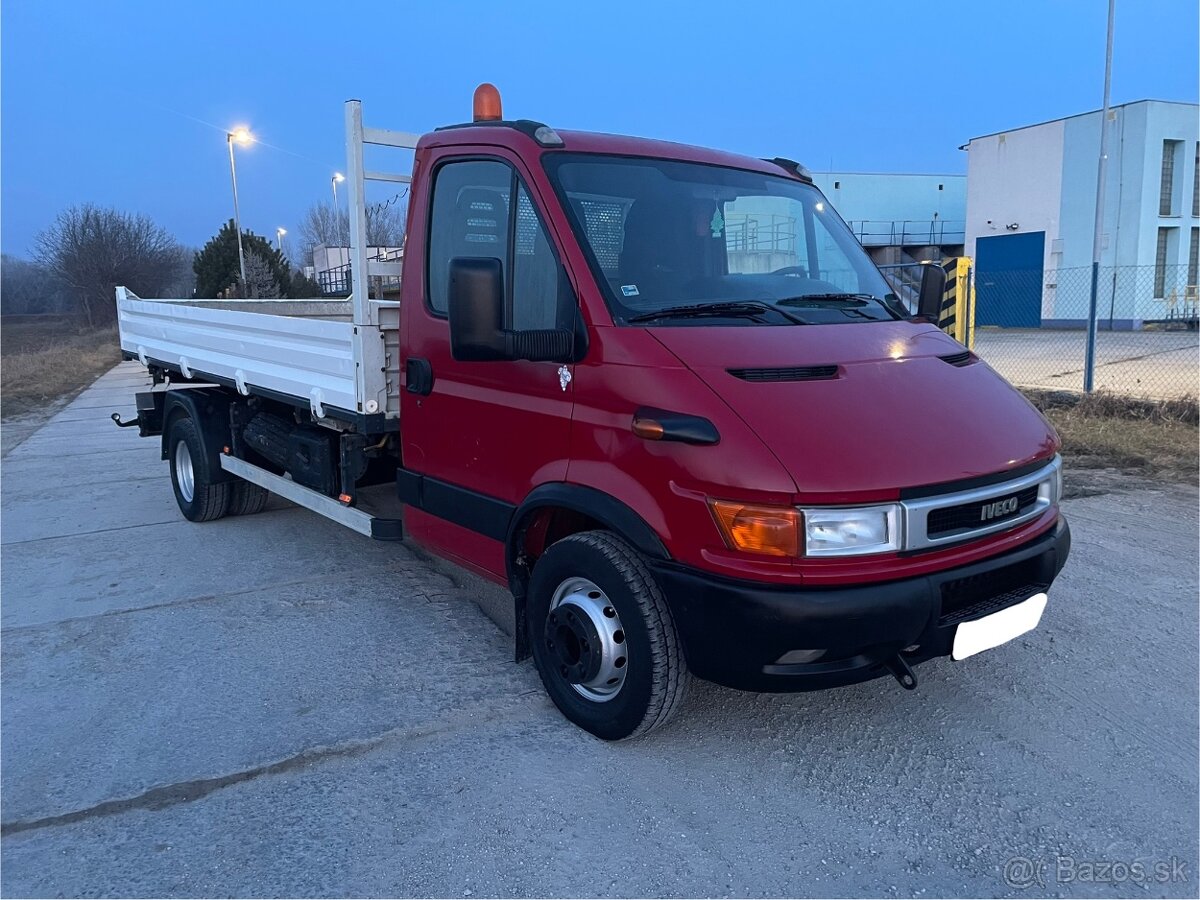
247, 498
603, 638
200, 499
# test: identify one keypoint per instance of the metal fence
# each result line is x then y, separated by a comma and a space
909, 232
1031, 326
339, 280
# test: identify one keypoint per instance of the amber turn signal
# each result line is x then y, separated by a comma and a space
648, 428
774, 530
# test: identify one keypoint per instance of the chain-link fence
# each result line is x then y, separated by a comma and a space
1031, 326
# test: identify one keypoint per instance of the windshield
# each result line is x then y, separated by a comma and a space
686, 243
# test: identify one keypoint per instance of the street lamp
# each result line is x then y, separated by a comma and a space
337, 215
279, 233
240, 135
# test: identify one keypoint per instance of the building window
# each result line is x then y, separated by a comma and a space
1162, 255
1193, 260
1166, 188
1196, 187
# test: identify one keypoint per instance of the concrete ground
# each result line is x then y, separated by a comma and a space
1158, 365
276, 706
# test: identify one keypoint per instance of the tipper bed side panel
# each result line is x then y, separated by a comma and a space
305, 358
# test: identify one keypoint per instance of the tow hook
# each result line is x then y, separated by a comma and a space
902, 672
136, 420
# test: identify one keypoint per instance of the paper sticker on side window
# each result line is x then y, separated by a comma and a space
629, 290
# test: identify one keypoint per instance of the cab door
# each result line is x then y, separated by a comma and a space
477, 437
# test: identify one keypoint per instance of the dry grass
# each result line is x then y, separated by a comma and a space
1156, 439
45, 358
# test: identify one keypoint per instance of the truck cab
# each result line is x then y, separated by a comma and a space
663, 395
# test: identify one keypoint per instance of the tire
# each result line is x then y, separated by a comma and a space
247, 498
610, 657
200, 499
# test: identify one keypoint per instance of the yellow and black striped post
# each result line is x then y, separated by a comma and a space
957, 315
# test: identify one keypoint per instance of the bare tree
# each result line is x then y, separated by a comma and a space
385, 225
183, 282
92, 250
322, 225
26, 288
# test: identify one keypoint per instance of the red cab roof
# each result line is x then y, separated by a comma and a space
506, 135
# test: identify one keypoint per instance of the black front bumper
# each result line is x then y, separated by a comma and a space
734, 632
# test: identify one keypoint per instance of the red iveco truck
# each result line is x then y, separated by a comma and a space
659, 392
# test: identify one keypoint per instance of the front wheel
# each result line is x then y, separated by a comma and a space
603, 638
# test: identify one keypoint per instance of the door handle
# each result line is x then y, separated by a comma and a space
419, 376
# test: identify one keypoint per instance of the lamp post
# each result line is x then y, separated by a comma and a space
1089, 356
337, 213
242, 136
279, 233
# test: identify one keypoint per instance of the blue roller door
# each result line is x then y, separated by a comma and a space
1008, 280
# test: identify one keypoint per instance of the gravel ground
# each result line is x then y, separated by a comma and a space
276, 706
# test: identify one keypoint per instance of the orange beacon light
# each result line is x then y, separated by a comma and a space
486, 104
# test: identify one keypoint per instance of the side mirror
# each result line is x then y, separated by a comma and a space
476, 308
476, 311
933, 288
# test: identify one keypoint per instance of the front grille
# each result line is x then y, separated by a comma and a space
979, 595
969, 516
787, 373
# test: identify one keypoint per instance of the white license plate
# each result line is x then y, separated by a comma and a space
998, 628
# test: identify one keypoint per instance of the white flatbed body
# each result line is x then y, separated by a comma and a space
303, 350
339, 358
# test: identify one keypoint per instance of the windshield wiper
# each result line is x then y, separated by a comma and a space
849, 299
848, 302
731, 308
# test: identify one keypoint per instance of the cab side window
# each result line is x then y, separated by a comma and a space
473, 213
468, 217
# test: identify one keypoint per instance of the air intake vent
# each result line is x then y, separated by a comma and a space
958, 359
791, 373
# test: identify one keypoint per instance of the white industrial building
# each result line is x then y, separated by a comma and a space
1031, 202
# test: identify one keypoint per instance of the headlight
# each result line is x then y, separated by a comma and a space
1050, 491
851, 531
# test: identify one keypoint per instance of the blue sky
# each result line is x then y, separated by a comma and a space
107, 102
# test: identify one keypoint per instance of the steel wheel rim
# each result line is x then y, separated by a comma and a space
579, 611
185, 474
